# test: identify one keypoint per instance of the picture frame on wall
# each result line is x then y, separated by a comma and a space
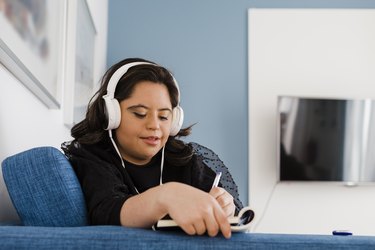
79, 70
31, 45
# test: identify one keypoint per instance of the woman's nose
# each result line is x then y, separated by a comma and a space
153, 122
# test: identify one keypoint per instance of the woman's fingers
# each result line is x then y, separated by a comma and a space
213, 222
216, 192
200, 227
224, 199
196, 211
212, 226
210, 221
189, 229
224, 225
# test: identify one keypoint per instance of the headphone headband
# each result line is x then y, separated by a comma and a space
117, 75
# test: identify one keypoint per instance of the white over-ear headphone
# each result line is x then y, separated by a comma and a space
112, 106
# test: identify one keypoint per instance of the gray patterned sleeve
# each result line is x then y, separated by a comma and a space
212, 160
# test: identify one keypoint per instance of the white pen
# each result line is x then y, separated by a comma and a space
216, 181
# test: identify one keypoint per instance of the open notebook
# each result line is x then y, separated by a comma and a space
240, 223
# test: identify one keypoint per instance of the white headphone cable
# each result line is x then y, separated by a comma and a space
123, 164
266, 207
162, 166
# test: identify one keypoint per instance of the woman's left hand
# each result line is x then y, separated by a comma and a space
224, 199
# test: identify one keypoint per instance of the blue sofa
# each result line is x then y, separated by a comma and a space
49, 201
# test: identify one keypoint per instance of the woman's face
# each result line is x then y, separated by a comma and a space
146, 118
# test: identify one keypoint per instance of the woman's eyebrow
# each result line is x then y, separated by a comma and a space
145, 107
137, 106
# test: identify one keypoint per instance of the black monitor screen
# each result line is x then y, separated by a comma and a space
326, 139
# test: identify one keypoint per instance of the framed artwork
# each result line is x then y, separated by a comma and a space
79, 75
31, 45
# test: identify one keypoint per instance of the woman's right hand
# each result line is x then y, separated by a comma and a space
195, 211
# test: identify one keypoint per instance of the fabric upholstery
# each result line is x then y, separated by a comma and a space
117, 237
44, 188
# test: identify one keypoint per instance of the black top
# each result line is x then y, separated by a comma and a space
145, 176
107, 185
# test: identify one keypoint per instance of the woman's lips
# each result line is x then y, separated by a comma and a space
151, 140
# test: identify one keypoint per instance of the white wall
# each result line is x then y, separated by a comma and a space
316, 53
25, 122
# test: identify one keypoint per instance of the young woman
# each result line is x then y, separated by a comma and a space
132, 168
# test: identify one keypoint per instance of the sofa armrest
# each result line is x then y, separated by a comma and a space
117, 237
44, 188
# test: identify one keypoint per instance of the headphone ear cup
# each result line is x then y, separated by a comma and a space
113, 111
177, 120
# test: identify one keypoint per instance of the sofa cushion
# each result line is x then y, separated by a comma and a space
117, 237
44, 188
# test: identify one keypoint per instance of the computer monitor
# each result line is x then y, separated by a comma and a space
322, 139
